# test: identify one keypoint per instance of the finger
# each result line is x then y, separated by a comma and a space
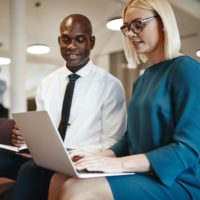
75, 153
16, 132
18, 143
80, 152
16, 127
89, 167
88, 159
85, 162
76, 158
18, 138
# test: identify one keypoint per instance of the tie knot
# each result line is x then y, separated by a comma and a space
73, 77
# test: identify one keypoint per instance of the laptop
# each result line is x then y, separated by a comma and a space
46, 146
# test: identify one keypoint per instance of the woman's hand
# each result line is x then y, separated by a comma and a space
132, 163
78, 154
16, 138
100, 163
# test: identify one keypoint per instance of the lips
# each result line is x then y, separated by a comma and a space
136, 42
72, 56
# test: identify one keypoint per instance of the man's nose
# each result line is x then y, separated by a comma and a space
72, 45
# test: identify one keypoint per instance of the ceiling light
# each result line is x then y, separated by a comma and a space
38, 49
114, 24
5, 61
198, 53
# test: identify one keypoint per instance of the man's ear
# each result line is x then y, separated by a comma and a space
92, 42
59, 40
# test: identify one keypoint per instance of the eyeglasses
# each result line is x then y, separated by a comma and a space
136, 26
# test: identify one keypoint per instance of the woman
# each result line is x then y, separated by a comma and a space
162, 142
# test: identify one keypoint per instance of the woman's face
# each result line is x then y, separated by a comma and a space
150, 40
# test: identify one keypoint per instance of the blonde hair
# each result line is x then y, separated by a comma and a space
172, 42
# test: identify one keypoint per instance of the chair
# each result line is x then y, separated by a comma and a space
6, 185
6, 126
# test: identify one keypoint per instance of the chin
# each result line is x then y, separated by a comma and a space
140, 51
73, 63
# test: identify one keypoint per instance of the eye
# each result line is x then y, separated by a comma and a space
65, 39
125, 28
80, 39
137, 25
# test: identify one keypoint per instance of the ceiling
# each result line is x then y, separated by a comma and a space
43, 27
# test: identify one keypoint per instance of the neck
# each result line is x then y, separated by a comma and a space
156, 59
157, 55
74, 69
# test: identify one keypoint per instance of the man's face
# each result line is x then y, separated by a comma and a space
75, 43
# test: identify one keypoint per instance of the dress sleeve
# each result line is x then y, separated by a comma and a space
121, 148
170, 161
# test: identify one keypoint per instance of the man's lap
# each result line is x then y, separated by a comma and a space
10, 164
32, 182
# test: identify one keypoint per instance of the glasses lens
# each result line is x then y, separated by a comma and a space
137, 26
125, 30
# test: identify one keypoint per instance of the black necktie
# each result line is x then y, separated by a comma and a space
67, 104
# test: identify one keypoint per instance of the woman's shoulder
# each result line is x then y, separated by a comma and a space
185, 61
185, 64
185, 68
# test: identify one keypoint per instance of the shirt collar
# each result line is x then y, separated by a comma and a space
83, 72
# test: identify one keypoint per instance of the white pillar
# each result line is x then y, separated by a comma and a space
18, 56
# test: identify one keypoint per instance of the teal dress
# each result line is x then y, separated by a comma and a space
164, 124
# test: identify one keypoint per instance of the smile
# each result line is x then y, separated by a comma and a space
73, 56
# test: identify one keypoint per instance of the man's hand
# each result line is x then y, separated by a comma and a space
16, 138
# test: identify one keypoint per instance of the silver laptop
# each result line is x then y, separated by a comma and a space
46, 146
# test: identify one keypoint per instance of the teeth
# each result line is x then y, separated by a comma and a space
139, 42
73, 56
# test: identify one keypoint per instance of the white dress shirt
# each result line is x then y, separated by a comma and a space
98, 112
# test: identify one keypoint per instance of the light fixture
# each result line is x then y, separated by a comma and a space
198, 53
5, 61
38, 49
114, 24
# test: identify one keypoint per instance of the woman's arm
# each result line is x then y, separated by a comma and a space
133, 163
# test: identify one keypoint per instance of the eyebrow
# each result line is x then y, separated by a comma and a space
139, 18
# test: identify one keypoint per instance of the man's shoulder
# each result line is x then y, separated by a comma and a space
104, 74
108, 82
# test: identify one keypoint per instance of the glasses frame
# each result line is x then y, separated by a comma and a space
131, 26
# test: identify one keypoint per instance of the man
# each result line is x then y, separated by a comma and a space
98, 115
3, 109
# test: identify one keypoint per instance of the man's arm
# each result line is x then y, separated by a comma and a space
114, 117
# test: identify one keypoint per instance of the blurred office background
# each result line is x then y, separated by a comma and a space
26, 22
